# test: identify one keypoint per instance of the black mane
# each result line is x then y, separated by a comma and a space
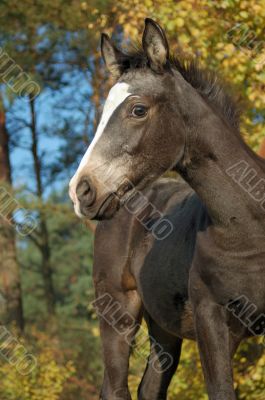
206, 82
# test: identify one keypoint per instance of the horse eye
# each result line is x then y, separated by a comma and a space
139, 111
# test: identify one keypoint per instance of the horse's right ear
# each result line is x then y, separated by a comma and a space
111, 56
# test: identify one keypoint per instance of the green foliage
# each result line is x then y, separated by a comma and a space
71, 246
250, 370
46, 381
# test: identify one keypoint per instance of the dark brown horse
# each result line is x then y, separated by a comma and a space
163, 114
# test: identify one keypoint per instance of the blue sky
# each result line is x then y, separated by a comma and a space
51, 114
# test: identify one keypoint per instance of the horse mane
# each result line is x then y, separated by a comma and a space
208, 84
205, 82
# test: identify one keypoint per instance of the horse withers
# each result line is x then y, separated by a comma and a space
163, 114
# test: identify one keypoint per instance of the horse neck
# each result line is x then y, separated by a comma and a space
216, 161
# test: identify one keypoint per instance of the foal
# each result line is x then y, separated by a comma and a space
161, 115
136, 273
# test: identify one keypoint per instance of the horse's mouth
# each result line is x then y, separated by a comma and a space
113, 203
105, 210
108, 208
109, 205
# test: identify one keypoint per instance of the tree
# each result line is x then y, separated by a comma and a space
52, 46
11, 298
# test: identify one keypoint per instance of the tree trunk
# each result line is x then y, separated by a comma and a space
44, 234
10, 297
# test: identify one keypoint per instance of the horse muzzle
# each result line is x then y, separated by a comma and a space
88, 204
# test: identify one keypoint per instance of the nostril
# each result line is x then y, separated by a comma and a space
82, 190
85, 192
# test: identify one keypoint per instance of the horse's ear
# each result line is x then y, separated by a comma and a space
111, 56
155, 45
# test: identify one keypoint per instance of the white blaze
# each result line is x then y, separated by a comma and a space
118, 93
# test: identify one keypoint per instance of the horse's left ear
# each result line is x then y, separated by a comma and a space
112, 56
155, 45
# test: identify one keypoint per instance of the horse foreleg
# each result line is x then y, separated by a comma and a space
162, 363
216, 349
118, 325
